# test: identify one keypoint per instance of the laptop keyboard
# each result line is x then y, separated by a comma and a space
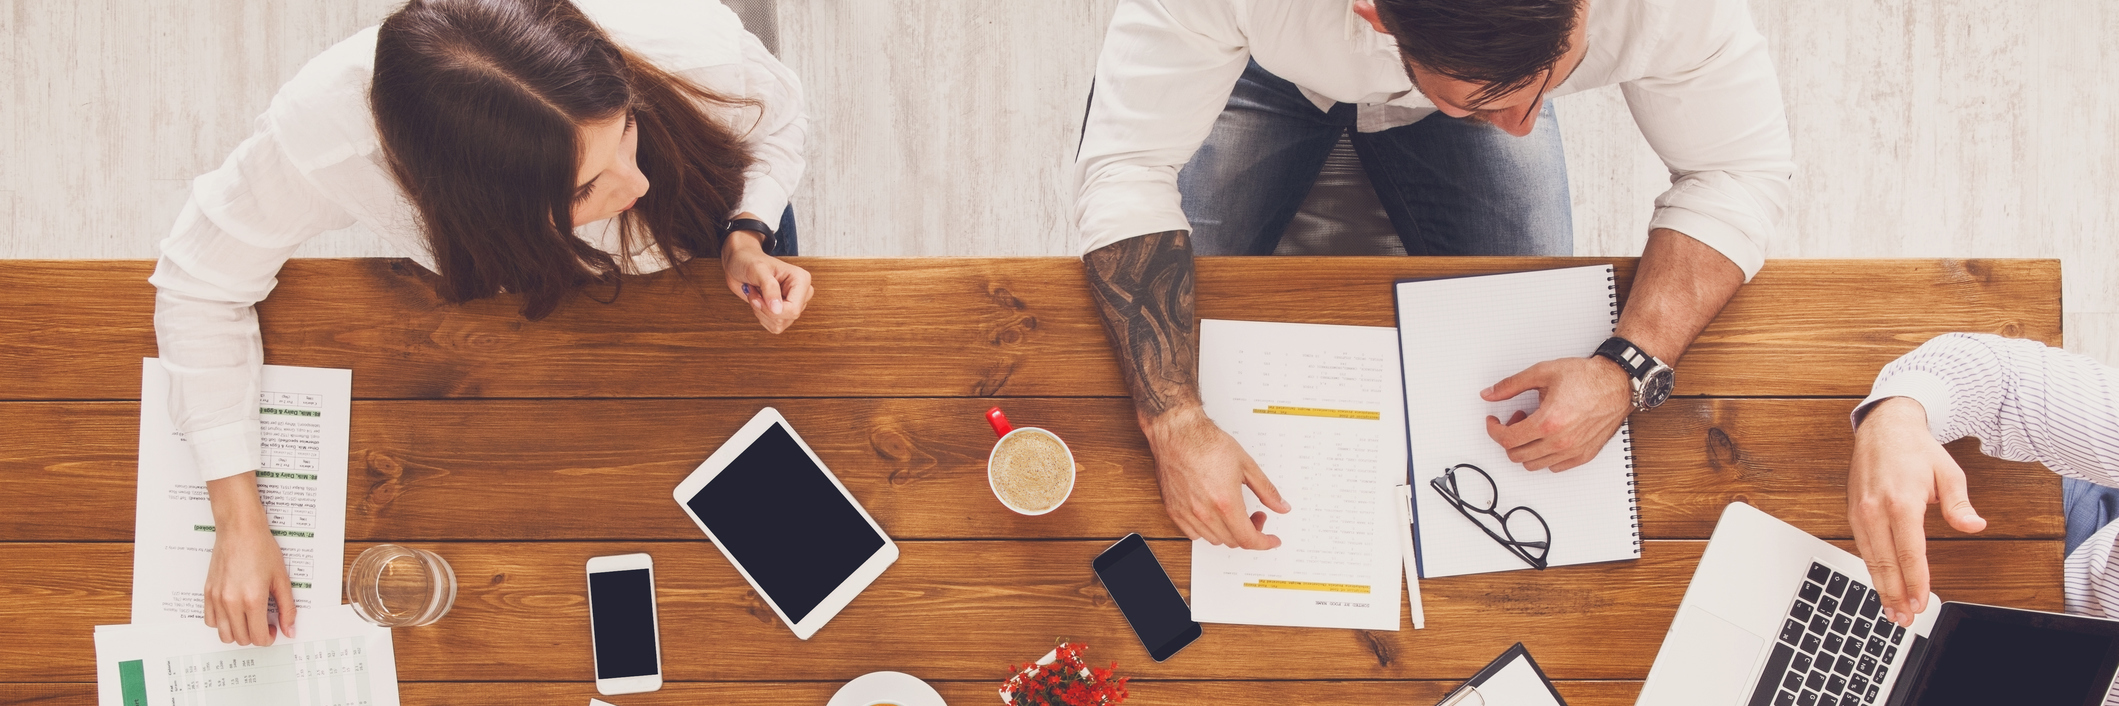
1834, 648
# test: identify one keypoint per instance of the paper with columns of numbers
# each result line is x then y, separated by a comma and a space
340, 660
303, 413
1319, 408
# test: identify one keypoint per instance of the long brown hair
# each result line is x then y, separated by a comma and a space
478, 104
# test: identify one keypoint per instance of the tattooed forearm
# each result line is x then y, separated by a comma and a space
1143, 288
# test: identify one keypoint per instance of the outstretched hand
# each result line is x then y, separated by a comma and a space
1581, 402
1203, 471
1896, 472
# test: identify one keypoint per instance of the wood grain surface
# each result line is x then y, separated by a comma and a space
918, 465
1144, 693
962, 610
956, 327
479, 435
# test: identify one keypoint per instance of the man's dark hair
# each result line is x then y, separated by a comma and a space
1500, 44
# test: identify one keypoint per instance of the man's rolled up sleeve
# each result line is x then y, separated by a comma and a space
1712, 110
1165, 72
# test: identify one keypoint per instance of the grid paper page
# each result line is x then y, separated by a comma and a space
1459, 336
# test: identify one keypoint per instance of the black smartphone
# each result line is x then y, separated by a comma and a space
1145, 595
627, 644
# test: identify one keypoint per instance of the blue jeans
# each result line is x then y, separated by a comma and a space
1451, 187
2089, 508
788, 245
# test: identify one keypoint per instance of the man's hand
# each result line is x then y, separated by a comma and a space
1897, 470
777, 291
1581, 402
1143, 288
1203, 471
247, 568
1681, 285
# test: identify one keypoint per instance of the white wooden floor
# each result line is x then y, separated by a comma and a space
1924, 128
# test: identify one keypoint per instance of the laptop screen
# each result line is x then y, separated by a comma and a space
1990, 655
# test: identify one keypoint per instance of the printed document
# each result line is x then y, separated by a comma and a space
340, 660
1319, 408
304, 414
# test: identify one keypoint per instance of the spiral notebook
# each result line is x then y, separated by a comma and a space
1461, 335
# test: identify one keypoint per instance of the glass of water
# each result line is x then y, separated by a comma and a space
400, 587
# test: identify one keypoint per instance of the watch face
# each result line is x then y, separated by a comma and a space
1656, 389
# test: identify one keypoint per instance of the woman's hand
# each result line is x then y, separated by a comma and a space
247, 568
777, 291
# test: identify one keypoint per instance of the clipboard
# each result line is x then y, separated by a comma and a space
1484, 689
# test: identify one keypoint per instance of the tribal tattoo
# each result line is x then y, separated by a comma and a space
1143, 288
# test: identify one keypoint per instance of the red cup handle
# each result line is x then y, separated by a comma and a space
999, 422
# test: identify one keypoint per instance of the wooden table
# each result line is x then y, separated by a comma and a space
519, 449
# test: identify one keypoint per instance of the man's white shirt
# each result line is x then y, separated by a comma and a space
1695, 74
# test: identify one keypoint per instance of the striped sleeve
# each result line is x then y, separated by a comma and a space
2025, 401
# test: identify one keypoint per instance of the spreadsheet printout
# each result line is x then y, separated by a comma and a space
1319, 408
341, 660
304, 418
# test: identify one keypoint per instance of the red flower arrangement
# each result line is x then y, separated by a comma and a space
1063, 679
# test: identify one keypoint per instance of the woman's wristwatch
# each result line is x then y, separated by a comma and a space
772, 240
1652, 378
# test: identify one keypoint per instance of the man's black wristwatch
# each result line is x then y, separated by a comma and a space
772, 240
1652, 378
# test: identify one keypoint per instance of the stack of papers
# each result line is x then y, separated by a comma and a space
168, 656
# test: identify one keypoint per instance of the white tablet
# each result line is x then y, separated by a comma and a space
786, 523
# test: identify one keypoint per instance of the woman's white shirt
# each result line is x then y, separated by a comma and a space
314, 164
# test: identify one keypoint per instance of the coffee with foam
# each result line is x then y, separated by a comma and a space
1031, 470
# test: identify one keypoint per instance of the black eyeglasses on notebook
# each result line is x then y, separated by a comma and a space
1521, 530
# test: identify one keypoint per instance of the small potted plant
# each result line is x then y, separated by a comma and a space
1061, 678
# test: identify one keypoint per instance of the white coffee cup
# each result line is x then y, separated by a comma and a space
1004, 430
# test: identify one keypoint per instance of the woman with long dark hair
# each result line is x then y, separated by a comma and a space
527, 147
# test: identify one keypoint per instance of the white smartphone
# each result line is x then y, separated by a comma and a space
628, 644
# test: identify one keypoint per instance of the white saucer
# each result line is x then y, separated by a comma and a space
886, 688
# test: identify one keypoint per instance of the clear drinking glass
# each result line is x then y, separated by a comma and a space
400, 587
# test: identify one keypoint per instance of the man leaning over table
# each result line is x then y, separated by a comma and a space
1209, 120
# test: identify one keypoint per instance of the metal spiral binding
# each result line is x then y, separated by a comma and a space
1614, 289
1633, 494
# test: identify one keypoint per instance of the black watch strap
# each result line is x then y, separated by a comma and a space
1631, 358
772, 239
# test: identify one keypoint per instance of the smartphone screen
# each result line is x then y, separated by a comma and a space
622, 615
1146, 596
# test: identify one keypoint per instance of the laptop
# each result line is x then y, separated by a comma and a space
1776, 617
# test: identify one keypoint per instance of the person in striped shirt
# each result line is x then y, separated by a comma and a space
2024, 401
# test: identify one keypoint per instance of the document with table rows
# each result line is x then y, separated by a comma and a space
1318, 407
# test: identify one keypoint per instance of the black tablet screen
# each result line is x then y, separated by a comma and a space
2036, 660
781, 518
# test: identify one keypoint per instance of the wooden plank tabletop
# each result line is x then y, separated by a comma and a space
469, 439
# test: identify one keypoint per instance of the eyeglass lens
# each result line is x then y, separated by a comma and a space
1474, 488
